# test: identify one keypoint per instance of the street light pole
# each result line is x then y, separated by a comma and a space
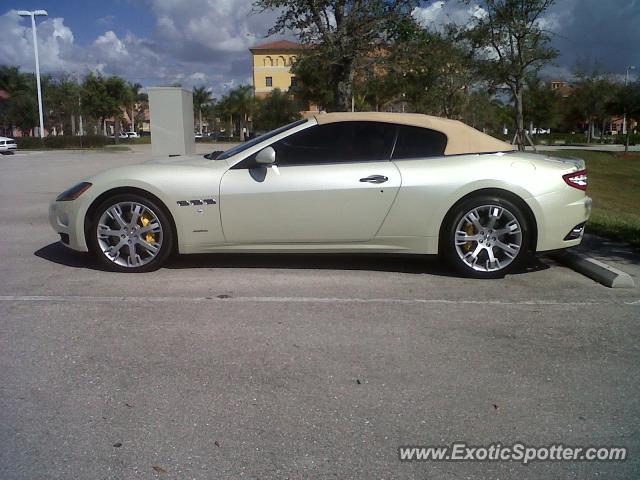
626, 82
33, 15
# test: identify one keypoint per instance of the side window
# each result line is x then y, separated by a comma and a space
417, 142
340, 142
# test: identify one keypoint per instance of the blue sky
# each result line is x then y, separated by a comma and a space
86, 22
205, 42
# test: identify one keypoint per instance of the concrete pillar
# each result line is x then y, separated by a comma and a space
171, 112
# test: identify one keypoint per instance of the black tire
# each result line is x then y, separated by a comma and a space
483, 266
167, 237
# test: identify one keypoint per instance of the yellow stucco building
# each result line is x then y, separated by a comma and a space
272, 66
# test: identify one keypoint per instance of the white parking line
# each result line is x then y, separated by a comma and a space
229, 299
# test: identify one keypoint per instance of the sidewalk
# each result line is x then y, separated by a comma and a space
594, 146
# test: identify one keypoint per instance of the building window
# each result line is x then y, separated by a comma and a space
294, 81
268, 62
269, 81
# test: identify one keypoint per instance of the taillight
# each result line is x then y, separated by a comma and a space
576, 179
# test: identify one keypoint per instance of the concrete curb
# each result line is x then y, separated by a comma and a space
600, 272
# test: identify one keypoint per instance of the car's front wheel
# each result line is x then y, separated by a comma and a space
486, 237
130, 233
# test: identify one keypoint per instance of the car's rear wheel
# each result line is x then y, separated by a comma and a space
130, 233
486, 237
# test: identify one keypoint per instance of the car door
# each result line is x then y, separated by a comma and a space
331, 183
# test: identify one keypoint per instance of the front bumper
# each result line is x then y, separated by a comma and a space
67, 220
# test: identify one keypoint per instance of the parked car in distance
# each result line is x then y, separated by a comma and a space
121, 136
198, 135
539, 131
336, 182
7, 145
132, 135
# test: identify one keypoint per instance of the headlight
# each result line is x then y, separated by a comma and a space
73, 193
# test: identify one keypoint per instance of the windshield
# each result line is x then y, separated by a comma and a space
243, 146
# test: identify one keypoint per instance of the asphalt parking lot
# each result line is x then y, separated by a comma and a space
264, 366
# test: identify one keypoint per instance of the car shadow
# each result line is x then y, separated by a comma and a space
414, 264
56, 252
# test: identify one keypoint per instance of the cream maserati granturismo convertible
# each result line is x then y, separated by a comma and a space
336, 182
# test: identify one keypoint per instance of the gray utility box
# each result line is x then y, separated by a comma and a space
171, 112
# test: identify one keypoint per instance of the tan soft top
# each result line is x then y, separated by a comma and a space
461, 138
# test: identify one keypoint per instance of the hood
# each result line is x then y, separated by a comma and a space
186, 160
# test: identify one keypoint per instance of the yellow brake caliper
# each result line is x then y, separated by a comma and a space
150, 237
470, 231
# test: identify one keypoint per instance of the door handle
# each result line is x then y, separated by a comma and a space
375, 179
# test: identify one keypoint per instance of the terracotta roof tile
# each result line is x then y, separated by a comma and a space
278, 45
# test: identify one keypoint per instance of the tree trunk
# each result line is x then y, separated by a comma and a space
200, 119
626, 140
73, 124
590, 130
342, 97
116, 132
520, 140
344, 87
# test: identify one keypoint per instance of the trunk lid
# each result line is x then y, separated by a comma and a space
571, 164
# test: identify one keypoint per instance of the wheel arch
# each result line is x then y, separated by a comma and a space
499, 192
129, 190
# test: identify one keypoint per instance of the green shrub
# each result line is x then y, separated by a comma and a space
63, 141
29, 142
137, 141
559, 139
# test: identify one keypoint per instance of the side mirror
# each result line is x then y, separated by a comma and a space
266, 156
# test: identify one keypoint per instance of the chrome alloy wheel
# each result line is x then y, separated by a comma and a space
129, 234
488, 238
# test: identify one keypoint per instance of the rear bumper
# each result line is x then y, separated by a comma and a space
557, 217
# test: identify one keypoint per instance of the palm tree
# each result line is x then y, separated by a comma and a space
201, 98
224, 110
118, 98
243, 104
135, 97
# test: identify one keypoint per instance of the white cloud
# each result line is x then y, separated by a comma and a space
16, 42
440, 13
197, 77
106, 21
211, 25
110, 46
